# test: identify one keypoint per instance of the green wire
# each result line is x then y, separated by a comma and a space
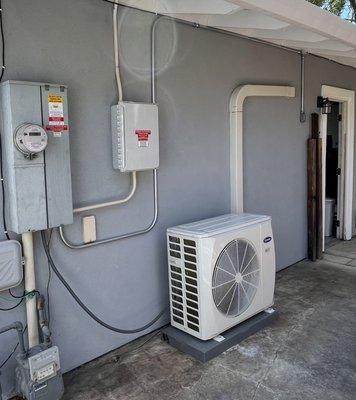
15, 300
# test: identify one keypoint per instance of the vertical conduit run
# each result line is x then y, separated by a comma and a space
72, 245
303, 117
116, 54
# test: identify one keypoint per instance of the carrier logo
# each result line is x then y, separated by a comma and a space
267, 239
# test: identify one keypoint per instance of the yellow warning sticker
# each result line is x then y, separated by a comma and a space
55, 99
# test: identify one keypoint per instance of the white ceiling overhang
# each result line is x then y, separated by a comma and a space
296, 24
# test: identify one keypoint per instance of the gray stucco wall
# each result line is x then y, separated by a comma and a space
125, 283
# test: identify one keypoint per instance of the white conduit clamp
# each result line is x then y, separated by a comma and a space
72, 245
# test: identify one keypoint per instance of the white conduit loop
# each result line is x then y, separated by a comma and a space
30, 285
67, 242
123, 236
120, 97
112, 203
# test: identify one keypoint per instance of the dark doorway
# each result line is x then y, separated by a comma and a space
333, 171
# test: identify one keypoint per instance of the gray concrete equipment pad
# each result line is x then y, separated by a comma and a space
206, 350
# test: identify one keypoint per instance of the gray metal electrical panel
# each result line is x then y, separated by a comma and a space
35, 155
135, 136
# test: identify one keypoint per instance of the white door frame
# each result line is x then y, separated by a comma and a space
236, 134
346, 98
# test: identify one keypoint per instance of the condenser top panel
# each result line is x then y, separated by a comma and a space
218, 225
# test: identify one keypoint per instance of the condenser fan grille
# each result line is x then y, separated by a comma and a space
236, 278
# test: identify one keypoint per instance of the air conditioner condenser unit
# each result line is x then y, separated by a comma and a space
221, 272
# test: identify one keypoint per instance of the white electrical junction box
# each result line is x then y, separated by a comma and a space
135, 136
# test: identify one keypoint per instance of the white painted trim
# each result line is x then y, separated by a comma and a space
347, 100
296, 24
236, 133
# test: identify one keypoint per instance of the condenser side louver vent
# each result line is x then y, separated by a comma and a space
176, 278
184, 283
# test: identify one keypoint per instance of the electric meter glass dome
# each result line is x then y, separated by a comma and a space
31, 138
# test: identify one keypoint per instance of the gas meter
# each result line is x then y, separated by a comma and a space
30, 139
36, 163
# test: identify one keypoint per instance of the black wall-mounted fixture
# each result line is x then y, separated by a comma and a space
325, 104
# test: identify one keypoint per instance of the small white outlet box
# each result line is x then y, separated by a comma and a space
135, 136
89, 229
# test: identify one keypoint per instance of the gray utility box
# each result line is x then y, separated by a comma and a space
135, 136
11, 272
37, 186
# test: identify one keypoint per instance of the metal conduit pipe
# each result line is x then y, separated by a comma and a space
206, 27
159, 17
302, 88
72, 245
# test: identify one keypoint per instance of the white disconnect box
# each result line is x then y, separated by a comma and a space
135, 136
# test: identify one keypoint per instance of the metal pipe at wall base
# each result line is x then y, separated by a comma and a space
30, 286
72, 245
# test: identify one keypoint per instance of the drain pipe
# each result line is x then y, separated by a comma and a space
30, 286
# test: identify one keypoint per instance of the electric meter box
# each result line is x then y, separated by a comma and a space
135, 136
35, 154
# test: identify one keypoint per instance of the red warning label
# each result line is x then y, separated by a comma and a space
143, 134
56, 123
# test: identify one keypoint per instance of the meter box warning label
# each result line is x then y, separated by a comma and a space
56, 123
143, 137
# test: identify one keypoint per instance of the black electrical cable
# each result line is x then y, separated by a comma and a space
3, 191
1, 166
13, 307
113, 2
24, 294
49, 280
2, 44
84, 307
12, 352
10, 355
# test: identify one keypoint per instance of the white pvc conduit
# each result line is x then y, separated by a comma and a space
30, 286
236, 134
72, 245
116, 53
120, 98
115, 202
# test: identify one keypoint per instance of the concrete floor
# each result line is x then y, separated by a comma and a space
309, 353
